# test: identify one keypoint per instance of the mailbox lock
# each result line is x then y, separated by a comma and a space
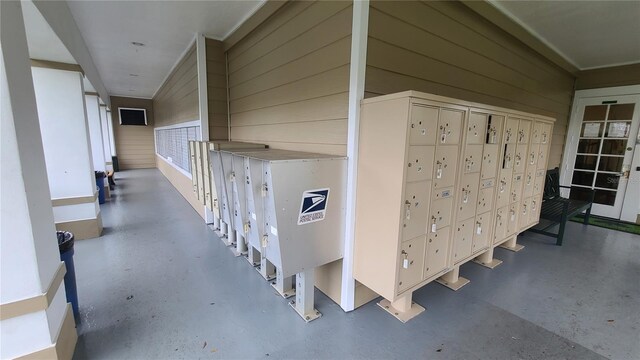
433, 224
524, 209
508, 137
405, 261
518, 158
502, 185
264, 190
265, 241
439, 170
521, 133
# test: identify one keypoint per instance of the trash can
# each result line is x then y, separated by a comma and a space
100, 175
65, 245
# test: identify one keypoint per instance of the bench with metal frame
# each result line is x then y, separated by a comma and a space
557, 209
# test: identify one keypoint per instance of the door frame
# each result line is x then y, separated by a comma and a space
573, 131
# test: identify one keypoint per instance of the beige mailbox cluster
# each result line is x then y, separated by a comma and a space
441, 182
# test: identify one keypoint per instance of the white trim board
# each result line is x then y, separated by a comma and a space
359, 33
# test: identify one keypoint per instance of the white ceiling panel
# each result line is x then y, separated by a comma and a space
589, 34
166, 28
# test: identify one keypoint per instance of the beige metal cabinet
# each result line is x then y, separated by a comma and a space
440, 182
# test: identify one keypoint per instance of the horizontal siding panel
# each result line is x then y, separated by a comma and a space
328, 83
413, 37
322, 60
326, 107
385, 82
333, 29
322, 132
311, 17
464, 27
177, 101
275, 21
412, 64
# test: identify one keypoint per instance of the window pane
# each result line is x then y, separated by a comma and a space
610, 163
578, 193
591, 130
582, 178
612, 147
586, 162
595, 112
605, 197
588, 146
618, 129
609, 181
621, 112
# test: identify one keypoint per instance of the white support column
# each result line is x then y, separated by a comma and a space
203, 100
112, 138
30, 267
106, 136
65, 138
359, 33
95, 132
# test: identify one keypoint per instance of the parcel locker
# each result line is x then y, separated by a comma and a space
303, 204
222, 171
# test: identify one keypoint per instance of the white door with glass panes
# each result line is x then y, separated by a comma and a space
601, 140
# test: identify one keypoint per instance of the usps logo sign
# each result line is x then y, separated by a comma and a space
314, 206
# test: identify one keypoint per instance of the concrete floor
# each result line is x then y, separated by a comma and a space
159, 284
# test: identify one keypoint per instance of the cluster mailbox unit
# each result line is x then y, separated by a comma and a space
283, 210
441, 182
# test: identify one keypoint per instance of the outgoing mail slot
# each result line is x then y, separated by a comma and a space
462, 238
420, 163
424, 122
472, 161
468, 195
415, 209
445, 166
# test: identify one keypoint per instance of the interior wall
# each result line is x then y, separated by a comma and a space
445, 48
609, 77
217, 90
177, 99
134, 144
289, 78
176, 102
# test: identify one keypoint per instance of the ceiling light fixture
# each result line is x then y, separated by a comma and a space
135, 43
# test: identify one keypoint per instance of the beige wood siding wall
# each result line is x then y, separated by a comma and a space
177, 100
445, 48
609, 77
289, 78
135, 145
217, 90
